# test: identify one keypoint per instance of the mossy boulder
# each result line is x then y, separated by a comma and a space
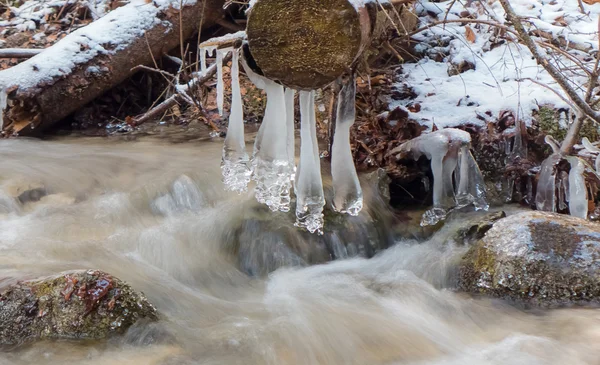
538, 258
72, 305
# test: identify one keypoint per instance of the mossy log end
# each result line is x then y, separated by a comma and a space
307, 44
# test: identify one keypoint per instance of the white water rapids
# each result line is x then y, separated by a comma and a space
155, 215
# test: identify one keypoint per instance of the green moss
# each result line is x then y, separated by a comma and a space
304, 43
548, 121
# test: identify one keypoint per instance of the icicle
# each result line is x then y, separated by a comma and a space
203, 62
309, 188
3, 102
442, 148
578, 202
346, 187
591, 148
271, 161
553, 144
563, 191
235, 165
291, 142
221, 53
471, 186
545, 198
519, 148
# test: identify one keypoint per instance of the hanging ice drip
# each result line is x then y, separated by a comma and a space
236, 163
347, 193
272, 165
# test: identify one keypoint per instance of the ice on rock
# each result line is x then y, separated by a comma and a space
347, 193
578, 202
545, 198
271, 163
444, 148
235, 165
310, 199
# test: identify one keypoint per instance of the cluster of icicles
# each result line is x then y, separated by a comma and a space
568, 190
457, 180
272, 164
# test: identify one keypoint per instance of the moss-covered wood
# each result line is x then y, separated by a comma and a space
306, 44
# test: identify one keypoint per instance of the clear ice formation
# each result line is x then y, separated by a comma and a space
235, 164
545, 198
291, 142
272, 165
3, 103
593, 149
221, 53
347, 193
578, 202
310, 199
446, 149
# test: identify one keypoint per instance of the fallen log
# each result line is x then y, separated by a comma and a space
307, 44
53, 84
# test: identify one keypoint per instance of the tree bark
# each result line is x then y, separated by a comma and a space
50, 86
307, 44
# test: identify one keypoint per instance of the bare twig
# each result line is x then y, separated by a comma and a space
584, 107
175, 98
19, 52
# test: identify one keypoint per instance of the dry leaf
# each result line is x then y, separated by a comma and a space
470, 35
591, 2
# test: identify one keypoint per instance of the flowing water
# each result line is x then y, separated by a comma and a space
156, 215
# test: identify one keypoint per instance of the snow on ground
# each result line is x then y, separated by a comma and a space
503, 70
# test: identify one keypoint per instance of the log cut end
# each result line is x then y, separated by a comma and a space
306, 44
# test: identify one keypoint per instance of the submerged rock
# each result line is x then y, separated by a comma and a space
72, 305
536, 257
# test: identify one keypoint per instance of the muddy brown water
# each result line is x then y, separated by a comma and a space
155, 214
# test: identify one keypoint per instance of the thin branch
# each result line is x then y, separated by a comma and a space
175, 98
584, 107
19, 52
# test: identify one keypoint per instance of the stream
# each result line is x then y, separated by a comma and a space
155, 214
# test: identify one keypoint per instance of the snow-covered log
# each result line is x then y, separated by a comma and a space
307, 44
52, 85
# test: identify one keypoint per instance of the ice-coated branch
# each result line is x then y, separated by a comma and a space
347, 193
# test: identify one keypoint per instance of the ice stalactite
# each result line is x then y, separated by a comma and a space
271, 162
471, 186
3, 103
545, 198
203, 62
578, 202
347, 193
444, 148
235, 165
310, 199
593, 149
291, 138
221, 53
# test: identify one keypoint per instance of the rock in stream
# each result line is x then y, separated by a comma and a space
72, 305
537, 258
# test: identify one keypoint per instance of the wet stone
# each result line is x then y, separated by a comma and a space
537, 258
72, 305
